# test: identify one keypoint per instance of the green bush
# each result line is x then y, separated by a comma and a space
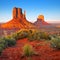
33, 35
50, 37
10, 41
2, 45
44, 35
55, 43
28, 50
23, 34
20, 35
37, 35
2, 41
1, 49
6, 42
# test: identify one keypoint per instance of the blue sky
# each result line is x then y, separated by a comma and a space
49, 8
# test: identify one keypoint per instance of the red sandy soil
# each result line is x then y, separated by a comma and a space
45, 52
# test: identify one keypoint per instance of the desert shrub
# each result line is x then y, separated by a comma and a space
44, 35
6, 42
28, 50
2, 40
55, 43
53, 36
50, 37
20, 35
37, 35
2, 45
23, 34
1, 49
33, 35
10, 41
30, 31
15, 36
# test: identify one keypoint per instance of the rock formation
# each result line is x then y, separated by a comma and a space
17, 13
19, 20
24, 15
14, 12
41, 22
40, 17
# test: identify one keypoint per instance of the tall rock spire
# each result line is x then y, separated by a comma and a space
19, 13
24, 15
15, 12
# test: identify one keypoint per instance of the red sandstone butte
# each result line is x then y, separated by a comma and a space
18, 21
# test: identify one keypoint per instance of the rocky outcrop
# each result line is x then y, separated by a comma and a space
18, 21
40, 17
41, 22
17, 13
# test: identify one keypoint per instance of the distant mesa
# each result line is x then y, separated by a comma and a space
41, 22
40, 17
19, 21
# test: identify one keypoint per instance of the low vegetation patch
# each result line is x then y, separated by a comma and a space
32, 35
55, 43
6, 42
28, 51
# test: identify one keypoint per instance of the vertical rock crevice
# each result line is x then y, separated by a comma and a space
17, 13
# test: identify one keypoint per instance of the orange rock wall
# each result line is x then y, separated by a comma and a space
17, 13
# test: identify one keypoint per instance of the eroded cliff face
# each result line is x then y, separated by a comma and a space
18, 21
